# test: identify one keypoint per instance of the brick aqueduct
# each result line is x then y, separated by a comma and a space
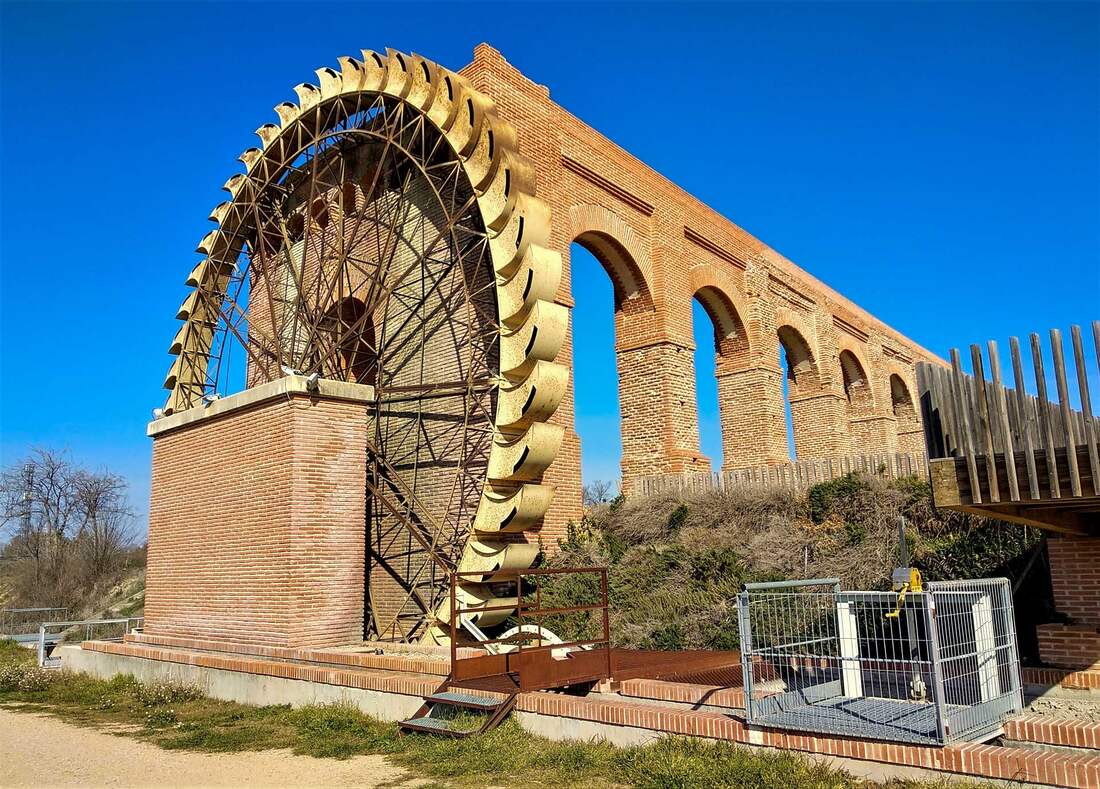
851, 387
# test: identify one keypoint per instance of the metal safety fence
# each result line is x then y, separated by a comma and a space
930, 667
22, 624
51, 634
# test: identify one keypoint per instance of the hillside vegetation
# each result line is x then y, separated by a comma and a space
677, 562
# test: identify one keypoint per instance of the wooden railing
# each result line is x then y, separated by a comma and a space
791, 476
1005, 452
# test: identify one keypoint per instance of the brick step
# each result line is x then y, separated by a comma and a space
1048, 730
394, 657
1061, 677
402, 682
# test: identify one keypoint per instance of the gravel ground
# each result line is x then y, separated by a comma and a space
37, 750
1086, 709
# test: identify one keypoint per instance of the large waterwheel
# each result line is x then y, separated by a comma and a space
387, 234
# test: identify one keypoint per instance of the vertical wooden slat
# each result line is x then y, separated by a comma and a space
941, 389
1096, 342
1000, 406
967, 445
1066, 411
948, 384
1089, 435
985, 424
1042, 407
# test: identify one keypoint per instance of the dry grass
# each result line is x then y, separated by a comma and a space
178, 717
676, 563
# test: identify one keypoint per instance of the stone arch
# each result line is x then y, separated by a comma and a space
818, 419
619, 249
859, 403
856, 382
657, 405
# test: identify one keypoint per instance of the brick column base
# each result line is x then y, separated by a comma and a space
657, 402
873, 434
257, 520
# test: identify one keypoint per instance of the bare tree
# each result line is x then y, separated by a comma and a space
67, 527
597, 492
106, 522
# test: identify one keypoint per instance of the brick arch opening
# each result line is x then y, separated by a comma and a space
627, 279
860, 404
909, 436
803, 392
731, 341
601, 346
721, 330
618, 248
801, 365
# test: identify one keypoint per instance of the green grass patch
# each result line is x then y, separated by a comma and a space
179, 717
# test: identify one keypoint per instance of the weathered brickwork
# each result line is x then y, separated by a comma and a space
1075, 578
257, 523
662, 248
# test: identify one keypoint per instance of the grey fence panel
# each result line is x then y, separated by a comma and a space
930, 668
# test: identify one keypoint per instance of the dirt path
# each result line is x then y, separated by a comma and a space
37, 750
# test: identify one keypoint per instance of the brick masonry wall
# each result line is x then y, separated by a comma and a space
1075, 578
256, 526
661, 248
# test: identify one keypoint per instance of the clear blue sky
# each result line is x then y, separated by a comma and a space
937, 163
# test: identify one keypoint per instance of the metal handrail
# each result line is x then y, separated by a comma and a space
528, 611
88, 624
764, 585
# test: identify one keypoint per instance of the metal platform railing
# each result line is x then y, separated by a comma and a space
930, 667
533, 661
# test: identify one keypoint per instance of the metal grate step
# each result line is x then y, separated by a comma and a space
434, 726
464, 700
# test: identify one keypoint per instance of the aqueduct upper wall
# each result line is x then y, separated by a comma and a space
852, 387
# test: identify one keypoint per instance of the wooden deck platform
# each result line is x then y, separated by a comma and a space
1004, 453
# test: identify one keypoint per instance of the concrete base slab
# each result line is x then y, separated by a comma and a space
239, 686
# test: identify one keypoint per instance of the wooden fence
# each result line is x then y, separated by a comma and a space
1005, 452
792, 476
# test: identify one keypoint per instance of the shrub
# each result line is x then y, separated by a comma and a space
26, 677
824, 494
156, 694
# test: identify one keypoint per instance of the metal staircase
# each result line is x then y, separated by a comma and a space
441, 713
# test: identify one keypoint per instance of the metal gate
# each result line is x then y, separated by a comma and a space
930, 667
